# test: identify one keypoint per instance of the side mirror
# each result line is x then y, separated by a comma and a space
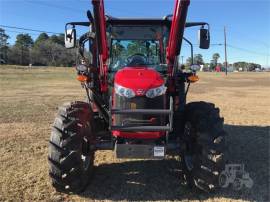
70, 38
204, 38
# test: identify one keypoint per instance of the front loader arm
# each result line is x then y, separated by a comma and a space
101, 42
176, 33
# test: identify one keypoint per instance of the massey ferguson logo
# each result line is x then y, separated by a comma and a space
140, 92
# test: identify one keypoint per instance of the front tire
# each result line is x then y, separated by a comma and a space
70, 156
204, 145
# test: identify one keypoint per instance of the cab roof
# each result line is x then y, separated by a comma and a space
148, 21
139, 21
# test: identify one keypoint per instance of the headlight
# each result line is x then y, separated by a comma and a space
122, 91
154, 92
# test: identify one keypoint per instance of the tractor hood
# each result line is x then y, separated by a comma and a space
139, 79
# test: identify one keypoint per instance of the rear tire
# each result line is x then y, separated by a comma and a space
204, 145
70, 156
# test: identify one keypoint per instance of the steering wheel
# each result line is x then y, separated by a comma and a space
137, 59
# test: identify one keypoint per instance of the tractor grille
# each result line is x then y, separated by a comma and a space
141, 102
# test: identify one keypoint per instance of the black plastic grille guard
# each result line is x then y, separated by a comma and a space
168, 112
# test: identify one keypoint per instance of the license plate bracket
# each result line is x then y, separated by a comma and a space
139, 151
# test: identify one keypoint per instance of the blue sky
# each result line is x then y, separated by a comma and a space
247, 21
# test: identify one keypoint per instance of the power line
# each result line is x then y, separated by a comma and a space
197, 45
27, 29
246, 50
54, 6
76, 9
243, 34
18, 32
225, 50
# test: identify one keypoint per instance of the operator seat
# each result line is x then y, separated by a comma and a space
137, 60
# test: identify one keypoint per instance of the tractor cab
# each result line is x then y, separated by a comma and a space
137, 43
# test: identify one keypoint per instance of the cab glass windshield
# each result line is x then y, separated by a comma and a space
134, 53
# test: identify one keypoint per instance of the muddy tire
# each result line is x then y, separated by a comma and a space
204, 146
70, 157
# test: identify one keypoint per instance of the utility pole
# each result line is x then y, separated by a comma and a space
30, 57
225, 50
21, 54
182, 57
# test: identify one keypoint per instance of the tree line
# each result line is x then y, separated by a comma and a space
50, 51
44, 51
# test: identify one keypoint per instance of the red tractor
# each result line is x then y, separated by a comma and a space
136, 101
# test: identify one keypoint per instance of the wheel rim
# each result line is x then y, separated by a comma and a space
188, 156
